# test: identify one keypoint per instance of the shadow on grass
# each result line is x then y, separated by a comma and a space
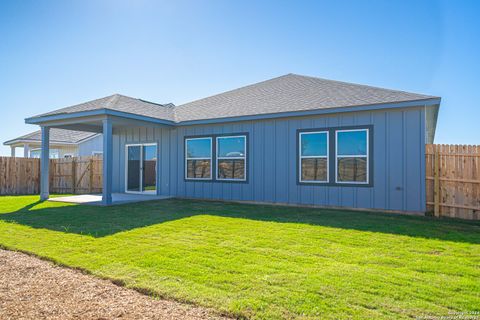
103, 221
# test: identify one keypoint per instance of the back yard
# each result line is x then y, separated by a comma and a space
260, 261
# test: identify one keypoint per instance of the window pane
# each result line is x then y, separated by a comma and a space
133, 168
149, 168
198, 169
352, 143
352, 169
231, 169
314, 169
231, 147
314, 144
199, 148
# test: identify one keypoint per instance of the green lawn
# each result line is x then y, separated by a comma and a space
261, 262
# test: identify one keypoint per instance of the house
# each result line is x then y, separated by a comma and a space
292, 140
63, 144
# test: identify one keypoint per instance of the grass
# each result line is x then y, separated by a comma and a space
261, 262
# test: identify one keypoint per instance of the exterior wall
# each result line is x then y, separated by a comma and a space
87, 147
398, 161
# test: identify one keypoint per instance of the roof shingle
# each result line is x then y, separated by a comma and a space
56, 136
121, 103
288, 93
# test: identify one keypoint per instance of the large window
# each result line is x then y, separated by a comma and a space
352, 156
198, 158
231, 155
335, 156
217, 158
313, 153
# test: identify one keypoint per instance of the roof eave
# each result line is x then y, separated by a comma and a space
15, 141
44, 120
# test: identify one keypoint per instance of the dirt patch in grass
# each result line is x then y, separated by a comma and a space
31, 288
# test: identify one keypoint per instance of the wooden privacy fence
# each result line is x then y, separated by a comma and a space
452, 173
19, 176
453, 181
76, 175
69, 175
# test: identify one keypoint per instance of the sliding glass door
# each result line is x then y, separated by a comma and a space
141, 168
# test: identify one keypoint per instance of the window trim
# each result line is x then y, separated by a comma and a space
214, 148
244, 158
187, 158
367, 156
300, 157
332, 151
141, 145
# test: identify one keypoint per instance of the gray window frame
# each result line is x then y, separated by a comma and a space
187, 158
332, 159
244, 158
214, 137
367, 156
300, 157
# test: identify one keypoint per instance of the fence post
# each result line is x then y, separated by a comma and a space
90, 183
74, 175
436, 181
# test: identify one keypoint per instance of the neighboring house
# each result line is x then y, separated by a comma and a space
293, 140
63, 144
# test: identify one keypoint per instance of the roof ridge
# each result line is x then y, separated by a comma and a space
113, 100
166, 105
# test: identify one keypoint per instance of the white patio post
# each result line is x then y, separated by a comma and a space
44, 164
107, 162
26, 149
12, 151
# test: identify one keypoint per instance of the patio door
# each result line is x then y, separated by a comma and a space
141, 168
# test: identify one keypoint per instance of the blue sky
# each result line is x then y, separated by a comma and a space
58, 53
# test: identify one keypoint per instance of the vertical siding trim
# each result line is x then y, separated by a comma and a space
387, 161
405, 159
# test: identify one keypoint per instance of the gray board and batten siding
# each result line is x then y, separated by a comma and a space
397, 161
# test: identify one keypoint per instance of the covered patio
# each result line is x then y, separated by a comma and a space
102, 116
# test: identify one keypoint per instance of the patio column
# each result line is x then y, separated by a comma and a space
26, 149
12, 151
107, 162
44, 164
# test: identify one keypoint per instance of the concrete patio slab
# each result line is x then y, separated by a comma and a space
117, 198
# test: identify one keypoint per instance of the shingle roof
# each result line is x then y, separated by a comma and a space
287, 93
56, 136
121, 103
